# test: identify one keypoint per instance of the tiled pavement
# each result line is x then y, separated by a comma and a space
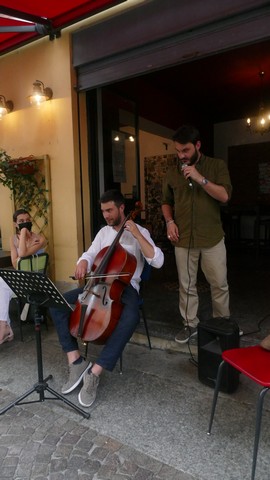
39, 444
149, 423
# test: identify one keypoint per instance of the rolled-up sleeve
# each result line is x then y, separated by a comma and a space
158, 259
167, 192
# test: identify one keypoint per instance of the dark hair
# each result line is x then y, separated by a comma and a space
187, 134
19, 212
113, 196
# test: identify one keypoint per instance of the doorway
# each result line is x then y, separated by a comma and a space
114, 155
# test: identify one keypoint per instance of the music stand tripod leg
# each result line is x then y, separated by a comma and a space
41, 386
38, 301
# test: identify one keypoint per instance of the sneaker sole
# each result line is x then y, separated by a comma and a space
187, 339
84, 404
64, 392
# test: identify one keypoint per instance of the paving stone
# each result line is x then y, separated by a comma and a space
58, 465
128, 468
8, 472
56, 476
62, 451
106, 472
40, 470
51, 440
99, 453
143, 474
167, 473
3, 452
85, 444
90, 466
10, 461
112, 460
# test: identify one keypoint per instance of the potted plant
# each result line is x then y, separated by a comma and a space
25, 181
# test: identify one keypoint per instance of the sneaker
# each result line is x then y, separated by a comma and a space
185, 334
75, 376
88, 393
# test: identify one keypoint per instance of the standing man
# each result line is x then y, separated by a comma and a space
137, 241
192, 193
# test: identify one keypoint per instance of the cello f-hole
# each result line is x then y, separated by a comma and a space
104, 301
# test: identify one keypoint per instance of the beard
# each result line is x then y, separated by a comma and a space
195, 157
116, 222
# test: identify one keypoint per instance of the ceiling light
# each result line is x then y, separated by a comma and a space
6, 106
261, 123
40, 93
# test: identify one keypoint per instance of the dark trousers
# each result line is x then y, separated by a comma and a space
116, 343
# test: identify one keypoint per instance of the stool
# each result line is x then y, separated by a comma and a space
215, 336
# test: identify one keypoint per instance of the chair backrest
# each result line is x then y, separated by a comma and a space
34, 263
145, 276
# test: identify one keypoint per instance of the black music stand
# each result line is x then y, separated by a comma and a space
38, 290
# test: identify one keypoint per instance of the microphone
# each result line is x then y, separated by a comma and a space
184, 165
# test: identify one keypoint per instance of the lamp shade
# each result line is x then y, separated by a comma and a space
6, 106
40, 93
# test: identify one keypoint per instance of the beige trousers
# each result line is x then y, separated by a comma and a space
214, 266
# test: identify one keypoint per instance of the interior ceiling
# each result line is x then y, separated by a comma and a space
222, 87
44, 18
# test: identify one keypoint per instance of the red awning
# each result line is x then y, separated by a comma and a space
22, 21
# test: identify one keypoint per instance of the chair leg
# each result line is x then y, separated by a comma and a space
121, 364
148, 337
146, 327
218, 382
259, 409
85, 349
19, 310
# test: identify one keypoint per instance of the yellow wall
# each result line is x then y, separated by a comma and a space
48, 130
51, 130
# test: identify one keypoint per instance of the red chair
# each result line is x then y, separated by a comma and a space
254, 362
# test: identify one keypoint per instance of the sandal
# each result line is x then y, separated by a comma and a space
265, 343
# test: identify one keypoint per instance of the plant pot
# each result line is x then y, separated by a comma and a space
23, 167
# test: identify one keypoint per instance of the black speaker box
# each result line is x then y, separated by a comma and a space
214, 336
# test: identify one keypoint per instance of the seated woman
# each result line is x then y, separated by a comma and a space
22, 244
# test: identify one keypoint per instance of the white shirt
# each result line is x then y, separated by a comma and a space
106, 236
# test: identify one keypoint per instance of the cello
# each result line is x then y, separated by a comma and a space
99, 307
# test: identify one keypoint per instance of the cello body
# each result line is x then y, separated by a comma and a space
99, 307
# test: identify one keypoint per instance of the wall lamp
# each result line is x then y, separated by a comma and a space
6, 106
40, 93
123, 135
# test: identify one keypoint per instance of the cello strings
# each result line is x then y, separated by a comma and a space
101, 275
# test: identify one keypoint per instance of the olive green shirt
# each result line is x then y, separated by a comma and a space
196, 213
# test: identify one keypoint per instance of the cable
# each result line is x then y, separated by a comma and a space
258, 326
192, 359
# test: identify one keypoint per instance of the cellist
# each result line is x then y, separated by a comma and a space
137, 241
